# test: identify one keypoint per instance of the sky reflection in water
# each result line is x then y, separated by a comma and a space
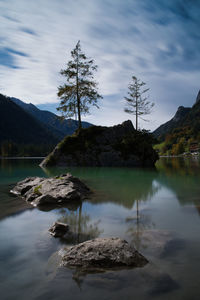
157, 210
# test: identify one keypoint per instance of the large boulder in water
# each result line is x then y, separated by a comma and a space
56, 190
102, 253
118, 146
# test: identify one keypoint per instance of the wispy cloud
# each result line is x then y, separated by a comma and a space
158, 41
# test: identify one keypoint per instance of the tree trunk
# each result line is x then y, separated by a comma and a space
79, 112
136, 115
77, 96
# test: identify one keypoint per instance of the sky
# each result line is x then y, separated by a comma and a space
157, 41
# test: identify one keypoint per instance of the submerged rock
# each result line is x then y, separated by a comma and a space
59, 229
102, 253
57, 190
117, 146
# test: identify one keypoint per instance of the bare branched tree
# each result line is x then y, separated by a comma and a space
136, 101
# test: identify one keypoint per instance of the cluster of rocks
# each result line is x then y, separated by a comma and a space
96, 253
57, 190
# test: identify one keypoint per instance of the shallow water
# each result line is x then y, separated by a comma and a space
157, 210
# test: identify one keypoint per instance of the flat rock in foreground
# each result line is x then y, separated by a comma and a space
56, 190
102, 253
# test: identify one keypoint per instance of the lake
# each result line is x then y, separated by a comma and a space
156, 210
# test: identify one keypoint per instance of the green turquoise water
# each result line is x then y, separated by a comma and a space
157, 210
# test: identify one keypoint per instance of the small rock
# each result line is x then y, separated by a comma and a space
102, 253
59, 229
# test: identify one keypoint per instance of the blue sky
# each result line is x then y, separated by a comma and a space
158, 41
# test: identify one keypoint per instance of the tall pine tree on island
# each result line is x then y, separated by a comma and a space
80, 92
136, 101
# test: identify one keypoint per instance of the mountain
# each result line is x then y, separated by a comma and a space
198, 98
176, 121
182, 132
20, 127
51, 120
17, 127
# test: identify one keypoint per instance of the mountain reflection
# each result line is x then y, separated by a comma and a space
182, 176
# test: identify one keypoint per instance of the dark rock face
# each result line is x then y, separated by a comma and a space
102, 253
198, 98
57, 190
167, 127
117, 146
181, 113
59, 229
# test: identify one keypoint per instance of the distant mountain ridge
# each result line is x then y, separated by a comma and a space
17, 126
26, 130
58, 128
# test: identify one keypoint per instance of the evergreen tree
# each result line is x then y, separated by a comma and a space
80, 91
136, 102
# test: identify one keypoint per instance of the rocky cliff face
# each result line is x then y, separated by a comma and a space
119, 145
198, 98
185, 116
167, 127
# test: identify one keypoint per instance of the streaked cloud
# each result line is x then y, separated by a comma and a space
158, 41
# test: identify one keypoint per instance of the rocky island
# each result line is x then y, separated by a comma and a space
117, 146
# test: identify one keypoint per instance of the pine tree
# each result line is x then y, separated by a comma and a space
80, 91
136, 102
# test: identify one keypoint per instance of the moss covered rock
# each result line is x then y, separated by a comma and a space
117, 146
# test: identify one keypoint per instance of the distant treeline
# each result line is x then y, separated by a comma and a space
8, 149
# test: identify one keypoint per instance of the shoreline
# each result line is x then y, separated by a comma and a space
22, 157
182, 156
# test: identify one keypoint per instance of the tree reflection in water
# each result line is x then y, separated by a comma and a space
81, 228
139, 224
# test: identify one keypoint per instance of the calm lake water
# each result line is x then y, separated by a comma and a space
157, 210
